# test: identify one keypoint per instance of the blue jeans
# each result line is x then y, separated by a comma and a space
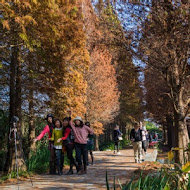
59, 159
81, 151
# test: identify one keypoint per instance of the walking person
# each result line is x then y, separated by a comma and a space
136, 138
148, 138
144, 140
68, 141
90, 145
117, 136
48, 129
81, 133
155, 136
57, 134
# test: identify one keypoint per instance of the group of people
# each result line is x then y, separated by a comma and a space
140, 138
67, 136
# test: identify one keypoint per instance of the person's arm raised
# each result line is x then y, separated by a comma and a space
90, 130
41, 135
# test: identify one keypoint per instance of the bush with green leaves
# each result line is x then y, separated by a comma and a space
110, 145
167, 178
39, 160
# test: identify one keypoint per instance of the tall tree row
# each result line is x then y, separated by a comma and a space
60, 55
165, 46
40, 52
102, 91
107, 41
119, 41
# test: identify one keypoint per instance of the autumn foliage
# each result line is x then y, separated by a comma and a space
102, 91
58, 55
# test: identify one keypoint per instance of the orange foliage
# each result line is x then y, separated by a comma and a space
102, 92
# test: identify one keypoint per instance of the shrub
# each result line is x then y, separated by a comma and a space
165, 179
107, 146
39, 160
110, 145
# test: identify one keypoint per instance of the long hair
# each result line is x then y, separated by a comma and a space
81, 124
59, 122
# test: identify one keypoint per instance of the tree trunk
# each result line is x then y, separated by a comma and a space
12, 99
31, 135
15, 109
18, 94
18, 103
12, 83
182, 139
170, 131
16, 158
96, 141
110, 133
164, 134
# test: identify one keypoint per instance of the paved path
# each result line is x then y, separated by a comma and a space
121, 166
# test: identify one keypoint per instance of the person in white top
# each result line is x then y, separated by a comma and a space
144, 134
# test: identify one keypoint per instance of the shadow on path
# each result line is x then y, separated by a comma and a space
121, 166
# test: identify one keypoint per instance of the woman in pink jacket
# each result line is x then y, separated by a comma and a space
48, 129
81, 133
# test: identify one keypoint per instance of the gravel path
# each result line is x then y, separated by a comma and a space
121, 166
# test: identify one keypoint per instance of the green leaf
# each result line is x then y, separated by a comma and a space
107, 183
167, 187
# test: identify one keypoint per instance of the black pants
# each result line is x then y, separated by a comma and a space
116, 145
70, 148
81, 151
144, 145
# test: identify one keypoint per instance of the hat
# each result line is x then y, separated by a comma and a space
49, 115
78, 118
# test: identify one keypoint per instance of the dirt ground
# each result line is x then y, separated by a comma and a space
121, 166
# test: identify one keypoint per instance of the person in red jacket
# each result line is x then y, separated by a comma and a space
48, 129
68, 141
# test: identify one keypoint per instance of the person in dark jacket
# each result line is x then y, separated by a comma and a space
68, 141
116, 134
48, 129
90, 145
136, 138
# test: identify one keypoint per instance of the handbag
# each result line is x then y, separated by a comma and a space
120, 138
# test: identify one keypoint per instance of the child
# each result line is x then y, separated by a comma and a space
57, 133
81, 133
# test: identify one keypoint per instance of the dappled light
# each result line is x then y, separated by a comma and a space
94, 94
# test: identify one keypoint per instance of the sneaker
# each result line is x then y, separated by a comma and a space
118, 152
